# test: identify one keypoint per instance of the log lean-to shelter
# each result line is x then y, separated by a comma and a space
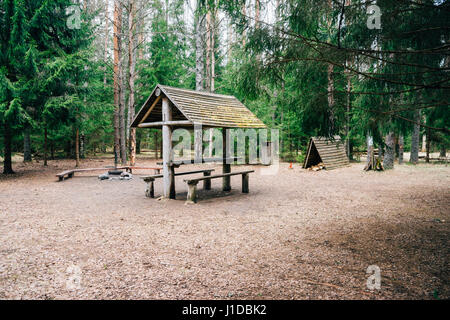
330, 152
170, 108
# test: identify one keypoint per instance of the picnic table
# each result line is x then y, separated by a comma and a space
67, 174
172, 165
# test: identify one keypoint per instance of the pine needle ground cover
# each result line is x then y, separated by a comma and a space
311, 235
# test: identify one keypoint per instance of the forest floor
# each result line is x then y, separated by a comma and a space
297, 235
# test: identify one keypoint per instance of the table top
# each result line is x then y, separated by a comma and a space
204, 160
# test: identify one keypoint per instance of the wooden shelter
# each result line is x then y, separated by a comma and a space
169, 108
330, 152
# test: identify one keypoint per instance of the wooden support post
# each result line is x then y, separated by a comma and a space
198, 144
226, 168
192, 191
168, 179
207, 182
211, 138
245, 183
150, 190
172, 182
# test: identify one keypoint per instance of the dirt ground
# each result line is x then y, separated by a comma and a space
297, 235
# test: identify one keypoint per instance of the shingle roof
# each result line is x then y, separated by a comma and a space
330, 153
209, 109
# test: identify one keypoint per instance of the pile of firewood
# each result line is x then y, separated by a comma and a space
317, 167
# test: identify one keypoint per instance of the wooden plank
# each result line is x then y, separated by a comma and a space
338, 163
332, 157
343, 156
168, 123
150, 109
178, 173
330, 150
220, 176
305, 163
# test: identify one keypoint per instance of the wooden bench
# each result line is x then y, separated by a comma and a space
150, 190
70, 173
192, 183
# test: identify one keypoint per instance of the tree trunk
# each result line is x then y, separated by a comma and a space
369, 141
389, 155
52, 150
347, 126
213, 55
138, 141
199, 49
415, 138
167, 12
330, 75
424, 142
26, 146
244, 33
105, 57
331, 98
122, 118
229, 41
68, 149
7, 161
428, 145
131, 77
117, 28
257, 13
443, 152
82, 146
45, 146
132, 146
380, 153
77, 148
208, 50
401, 146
